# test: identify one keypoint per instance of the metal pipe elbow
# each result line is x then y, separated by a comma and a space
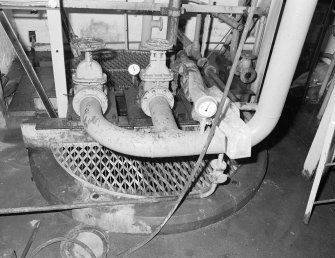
143, 144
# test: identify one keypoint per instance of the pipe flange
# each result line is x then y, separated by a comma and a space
82, 94
89, 81
153, 93
209, 68
248, 75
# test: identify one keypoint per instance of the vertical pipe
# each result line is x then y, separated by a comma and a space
285, 55
205, 34
173, 20
196, 40
126, 39
146, 27
263, 55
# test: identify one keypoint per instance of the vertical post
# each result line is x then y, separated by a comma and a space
57, 54
173, 20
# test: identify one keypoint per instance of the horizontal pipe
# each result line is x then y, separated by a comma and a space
125, 6
137, 143
283, 62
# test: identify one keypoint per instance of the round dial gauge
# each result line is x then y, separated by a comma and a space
206, 107
134, 69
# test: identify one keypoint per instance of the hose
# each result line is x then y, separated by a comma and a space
61, 239
195, 172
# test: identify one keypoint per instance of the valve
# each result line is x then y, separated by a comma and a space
89, 79
156, 76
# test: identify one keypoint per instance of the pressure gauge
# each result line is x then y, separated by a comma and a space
206, 106
134, 69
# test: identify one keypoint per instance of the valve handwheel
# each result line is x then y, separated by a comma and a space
88, 44
158, 44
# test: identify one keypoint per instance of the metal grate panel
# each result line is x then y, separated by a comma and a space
101, 168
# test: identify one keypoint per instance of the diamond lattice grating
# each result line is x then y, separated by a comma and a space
101, 168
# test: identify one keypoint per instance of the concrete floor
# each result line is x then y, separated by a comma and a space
270, 225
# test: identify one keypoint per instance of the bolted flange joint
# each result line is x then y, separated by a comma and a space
153, 93
89, 92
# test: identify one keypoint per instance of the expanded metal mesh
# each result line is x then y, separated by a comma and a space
100, 167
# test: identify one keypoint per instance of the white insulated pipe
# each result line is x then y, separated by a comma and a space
137, 143
291, 36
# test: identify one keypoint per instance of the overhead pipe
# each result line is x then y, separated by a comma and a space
285, 55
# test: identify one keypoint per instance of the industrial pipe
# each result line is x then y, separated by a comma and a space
174, 10
148, 23
169, 143
161, 115
195, 47
284, 59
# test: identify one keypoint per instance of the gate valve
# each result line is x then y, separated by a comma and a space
89, 71
89, 78
156, 76
157, 69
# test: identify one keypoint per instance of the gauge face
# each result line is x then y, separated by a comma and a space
134, 69
206, 107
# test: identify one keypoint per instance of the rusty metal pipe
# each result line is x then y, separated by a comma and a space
173, 20
161, 115
169, 143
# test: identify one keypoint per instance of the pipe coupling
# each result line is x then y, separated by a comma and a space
153, 93
89, 92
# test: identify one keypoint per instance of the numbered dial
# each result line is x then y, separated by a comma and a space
206, 107
134, 69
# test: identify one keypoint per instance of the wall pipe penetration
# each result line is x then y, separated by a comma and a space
175, 142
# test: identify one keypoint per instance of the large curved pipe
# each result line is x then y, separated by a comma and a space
136, 143
285, 55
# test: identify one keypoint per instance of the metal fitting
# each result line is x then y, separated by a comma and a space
153, 93
245, 69
89, 92
208, 69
